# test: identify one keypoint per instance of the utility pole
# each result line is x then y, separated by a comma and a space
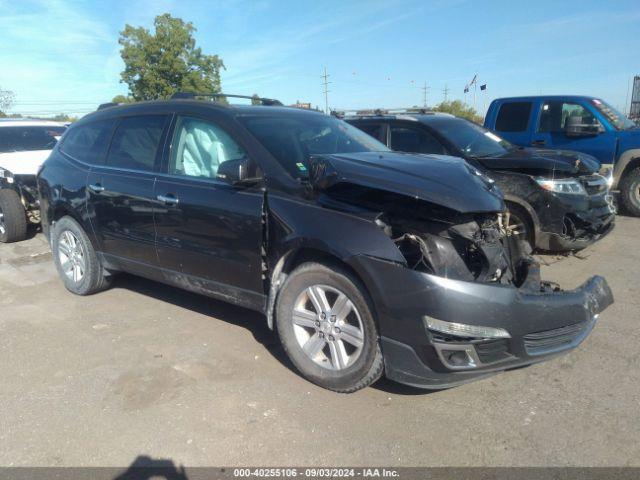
445, 92
425, 89
325, 85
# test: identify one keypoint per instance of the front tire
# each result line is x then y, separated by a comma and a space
630, 192
521, 224
76, 260
13, 219
326, 326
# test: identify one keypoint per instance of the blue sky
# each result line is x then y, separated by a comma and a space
64, 56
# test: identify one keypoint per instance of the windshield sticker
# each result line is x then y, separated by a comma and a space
301, 167
493, 136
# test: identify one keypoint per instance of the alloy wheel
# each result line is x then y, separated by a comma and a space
3, 227
71, 255
328, 327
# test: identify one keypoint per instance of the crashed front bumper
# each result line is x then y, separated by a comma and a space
573, 222
540, 324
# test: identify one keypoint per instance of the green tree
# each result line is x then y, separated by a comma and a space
459, 109
121, 99
167, 61
255, 99
63, 117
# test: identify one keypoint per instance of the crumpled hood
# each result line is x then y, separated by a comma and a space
438, 179
23, 163
539, 161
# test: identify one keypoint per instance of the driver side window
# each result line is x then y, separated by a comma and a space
556, 116
199, 147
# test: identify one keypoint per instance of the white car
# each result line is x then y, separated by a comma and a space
24, 146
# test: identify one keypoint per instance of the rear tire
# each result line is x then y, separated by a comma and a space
76, 260
337, 347
13, 219
630, 192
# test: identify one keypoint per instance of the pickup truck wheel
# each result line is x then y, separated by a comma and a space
13, 219
630, 192
521, 225
326, 326
76, 260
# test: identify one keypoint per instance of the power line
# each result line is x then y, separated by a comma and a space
325, 85
445, 91
425, 89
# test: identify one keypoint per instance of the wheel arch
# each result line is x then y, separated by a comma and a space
628, 161
530, 211
294, 257
63, 209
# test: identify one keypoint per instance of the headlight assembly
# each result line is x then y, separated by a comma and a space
562, 185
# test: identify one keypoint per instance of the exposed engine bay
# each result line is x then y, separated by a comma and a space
480, 249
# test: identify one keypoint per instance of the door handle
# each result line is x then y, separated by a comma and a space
96, 187
538, 143
168, 199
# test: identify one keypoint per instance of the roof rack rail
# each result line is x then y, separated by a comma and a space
376, 112
192, 95
102, 106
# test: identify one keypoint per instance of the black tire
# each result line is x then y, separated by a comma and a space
368, 366
94, 277
13, 218
519, 216
630, 192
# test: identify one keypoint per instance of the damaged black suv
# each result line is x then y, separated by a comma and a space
364, 260
556, 200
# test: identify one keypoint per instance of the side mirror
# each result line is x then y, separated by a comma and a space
575, 128
236, 172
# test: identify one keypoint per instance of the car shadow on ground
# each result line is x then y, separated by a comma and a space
253, 321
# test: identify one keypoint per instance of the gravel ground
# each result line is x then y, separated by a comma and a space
147, 370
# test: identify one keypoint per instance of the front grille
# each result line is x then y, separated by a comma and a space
492, 351
550, 340
594, 184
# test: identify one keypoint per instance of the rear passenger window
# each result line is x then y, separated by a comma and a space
513, 117
199, 147
373, 129
88, 143
415, 140
135, 142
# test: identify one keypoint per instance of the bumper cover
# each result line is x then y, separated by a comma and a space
570, 223
541, 323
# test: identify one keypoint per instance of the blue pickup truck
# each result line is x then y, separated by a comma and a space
583, 124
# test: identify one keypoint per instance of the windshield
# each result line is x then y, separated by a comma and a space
293, 139
24, 139
618, 120
474, 140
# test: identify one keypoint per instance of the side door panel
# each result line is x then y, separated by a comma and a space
214, 232
547, 133
209, 234
122, 214
121, 193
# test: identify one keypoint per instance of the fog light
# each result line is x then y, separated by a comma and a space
464, 330
457, 356
457, 359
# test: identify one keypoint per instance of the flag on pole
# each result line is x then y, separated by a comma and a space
472, 82
483, 87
